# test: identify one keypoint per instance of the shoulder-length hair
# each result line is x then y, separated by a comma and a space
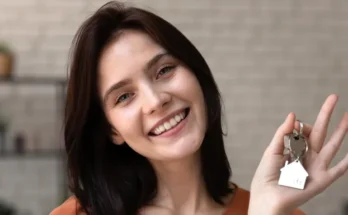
113, 179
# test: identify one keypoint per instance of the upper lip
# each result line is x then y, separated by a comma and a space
165, 119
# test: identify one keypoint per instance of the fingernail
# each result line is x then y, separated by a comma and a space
288, 115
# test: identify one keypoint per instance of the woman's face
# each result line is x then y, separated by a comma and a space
152, 100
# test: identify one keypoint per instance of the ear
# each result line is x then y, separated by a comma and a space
116, 137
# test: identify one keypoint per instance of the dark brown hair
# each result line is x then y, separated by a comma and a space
113, 179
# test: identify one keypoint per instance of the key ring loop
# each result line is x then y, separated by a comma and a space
301, 127
301, 133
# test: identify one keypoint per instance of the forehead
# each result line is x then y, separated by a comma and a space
125, 56
129, 46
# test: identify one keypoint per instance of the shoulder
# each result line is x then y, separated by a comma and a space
240, 203
69, 207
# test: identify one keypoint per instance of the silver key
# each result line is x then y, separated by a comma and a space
293, 174
297, 146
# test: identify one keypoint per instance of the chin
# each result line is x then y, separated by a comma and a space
183, 149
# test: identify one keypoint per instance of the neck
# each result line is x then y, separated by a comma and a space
181, 187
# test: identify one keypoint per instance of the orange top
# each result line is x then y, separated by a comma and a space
238, 206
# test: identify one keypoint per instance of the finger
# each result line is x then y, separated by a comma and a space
276, 146
319, 131
330, 149
339, 170
307, 129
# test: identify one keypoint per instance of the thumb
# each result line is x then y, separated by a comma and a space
276, 146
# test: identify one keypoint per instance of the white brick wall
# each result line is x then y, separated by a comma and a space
269, 57
31, 184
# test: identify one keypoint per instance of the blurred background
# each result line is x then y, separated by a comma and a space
269, 57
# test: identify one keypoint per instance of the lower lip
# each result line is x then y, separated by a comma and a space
176, 129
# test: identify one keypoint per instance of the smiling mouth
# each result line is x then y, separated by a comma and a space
170, 124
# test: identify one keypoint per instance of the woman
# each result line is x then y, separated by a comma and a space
143, 128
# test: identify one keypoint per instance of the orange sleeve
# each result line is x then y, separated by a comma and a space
239, 205
298, 212
69, 207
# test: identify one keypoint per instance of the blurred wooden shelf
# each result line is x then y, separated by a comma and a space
59, 84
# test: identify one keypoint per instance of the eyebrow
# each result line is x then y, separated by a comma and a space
125, 82
154, 60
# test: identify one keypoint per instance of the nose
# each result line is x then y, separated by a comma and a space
154, 99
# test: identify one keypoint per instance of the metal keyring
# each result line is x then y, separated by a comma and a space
305, 149
301, 127
301, 133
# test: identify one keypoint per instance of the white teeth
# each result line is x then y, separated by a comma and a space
169, 124
157, 132
182, 115
162, 128
177, 118
172, 122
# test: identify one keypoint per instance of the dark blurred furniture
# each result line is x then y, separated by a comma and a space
60, 90
58, 83
5, 209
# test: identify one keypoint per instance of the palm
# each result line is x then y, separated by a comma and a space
316, 162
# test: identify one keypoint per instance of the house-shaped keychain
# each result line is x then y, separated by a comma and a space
293, 175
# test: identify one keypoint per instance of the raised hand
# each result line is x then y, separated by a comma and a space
267, 197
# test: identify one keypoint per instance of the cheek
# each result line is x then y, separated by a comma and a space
192, 91
126, 122
187, 84
202, 113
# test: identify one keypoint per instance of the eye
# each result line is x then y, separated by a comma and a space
123, 97
165, 70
